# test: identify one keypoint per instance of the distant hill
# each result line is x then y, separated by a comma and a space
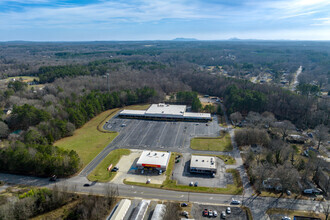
185, 39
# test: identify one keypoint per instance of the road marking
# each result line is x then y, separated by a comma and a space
177, 133
161, 134
181, 196
131, 132
146, 133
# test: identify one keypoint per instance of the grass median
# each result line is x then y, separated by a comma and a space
100, 173
169, 184
222, 143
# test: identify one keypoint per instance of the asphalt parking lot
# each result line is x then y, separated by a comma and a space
183, 176
236, 212
157, 135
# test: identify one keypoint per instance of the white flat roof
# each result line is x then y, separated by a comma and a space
165, 109
204, 162
197, 115
162, 110
154, 159
133, 112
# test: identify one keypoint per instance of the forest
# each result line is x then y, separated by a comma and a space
65, 85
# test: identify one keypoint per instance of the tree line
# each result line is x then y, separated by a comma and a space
33, 152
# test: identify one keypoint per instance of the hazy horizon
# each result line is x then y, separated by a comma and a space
140, 20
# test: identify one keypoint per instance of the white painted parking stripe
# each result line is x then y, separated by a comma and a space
150, 125
177, 133
161, 134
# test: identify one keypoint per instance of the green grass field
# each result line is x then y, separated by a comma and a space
25, 79
87, 141
100, 173
222, 143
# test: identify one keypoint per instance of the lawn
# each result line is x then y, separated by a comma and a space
100, 173
169, 184
222, 143
229, 160
88, 141
25, 79
292, 213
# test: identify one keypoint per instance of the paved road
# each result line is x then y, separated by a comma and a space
258, 205
295, 80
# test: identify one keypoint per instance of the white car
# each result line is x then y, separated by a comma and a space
228, 210
215, 213
235, 202
286, 218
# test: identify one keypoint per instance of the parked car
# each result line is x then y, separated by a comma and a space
223, 214
235, 202
210, 213
185, 213
184, 204
148, 181
196, 184
53, 178
312, 191
288, 192
215, 213
205, 212
228, 210
191, 183
86, 185
115, 169
286, 218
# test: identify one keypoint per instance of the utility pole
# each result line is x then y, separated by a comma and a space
108, 83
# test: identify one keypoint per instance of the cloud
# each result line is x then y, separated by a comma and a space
322, 22
109, 12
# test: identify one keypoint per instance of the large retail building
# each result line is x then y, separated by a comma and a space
164, 111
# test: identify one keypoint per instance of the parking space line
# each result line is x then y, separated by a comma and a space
161, 134
149, 123
177, 134
124, 141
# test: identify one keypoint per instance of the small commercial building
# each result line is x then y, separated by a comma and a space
153, 159
140, 210
203, 164
120, 210
159, 212
167, 112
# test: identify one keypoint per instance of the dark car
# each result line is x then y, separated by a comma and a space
196, 184
53, 178
115, 169
86, 185
184, 204
205, 212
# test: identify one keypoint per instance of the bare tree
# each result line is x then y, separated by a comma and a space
236, 117
327, 211
321, 134
284, 127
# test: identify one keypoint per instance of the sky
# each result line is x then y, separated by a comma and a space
98, 20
